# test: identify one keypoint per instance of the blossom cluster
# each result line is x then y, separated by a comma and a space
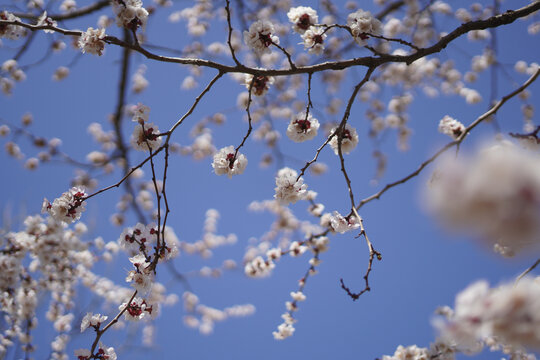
145, 135
495, 194
362, 25
130, 13
289, 188
227, 161
91, 41
451, 127
204, 317
492, 194
260, 36
12, 32
302, 127
304, 20
68, 207
508, 313
348, 136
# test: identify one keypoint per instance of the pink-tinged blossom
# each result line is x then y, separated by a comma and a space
66, 208
349, 139
451, 127
314, 40
363, 24
227, 163
145, 137
91, 41
288, 189
302, 18
302, 127
260, 36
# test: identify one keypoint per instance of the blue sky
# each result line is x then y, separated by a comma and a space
422, 267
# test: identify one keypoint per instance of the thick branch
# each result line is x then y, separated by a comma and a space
503, 19
72, 14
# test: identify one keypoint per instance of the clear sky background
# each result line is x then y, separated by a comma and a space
422, 267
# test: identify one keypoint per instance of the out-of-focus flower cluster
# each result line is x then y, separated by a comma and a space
493, 194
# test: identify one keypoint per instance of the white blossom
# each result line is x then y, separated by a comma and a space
534, 28
12, 32
258, 267
260, 36
140, 113
302, 127
363, 24
314, 40
139, 82
60, 73
451, 127
107, 353
68, 5
412, 352
349, 139
296, 249
130, 13
492, 194
284, 331
66, 208
288, 189
94, 320
91, 41
342, 224
83, 354
509, 313
226, 162
43, 20
145, 137
298, 296
137, 309
302, 18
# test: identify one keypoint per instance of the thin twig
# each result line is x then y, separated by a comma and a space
372, 255
531, 268
100, 332
291, 64
456, 142
72, 14
250, 127
229, 23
